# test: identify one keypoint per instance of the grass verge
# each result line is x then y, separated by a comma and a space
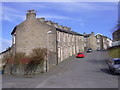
115, 52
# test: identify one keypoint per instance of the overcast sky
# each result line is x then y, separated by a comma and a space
98, 17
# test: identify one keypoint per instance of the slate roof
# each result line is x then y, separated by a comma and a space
87, 35
68, 31
14, 30
58, 29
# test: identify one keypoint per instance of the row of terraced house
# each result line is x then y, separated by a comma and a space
60, 41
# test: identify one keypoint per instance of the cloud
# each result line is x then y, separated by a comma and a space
84, 7
11, 15
72, 6
81, 24
54, 16
60, 0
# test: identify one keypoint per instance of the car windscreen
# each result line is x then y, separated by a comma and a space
79, 53
89, 49
117, 61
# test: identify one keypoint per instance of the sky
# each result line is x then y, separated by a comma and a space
97, 17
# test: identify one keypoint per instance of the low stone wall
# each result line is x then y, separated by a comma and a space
21, 70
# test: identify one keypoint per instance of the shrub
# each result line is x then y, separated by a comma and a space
11, 62
7, 59
19, 58
20, 63
37, 58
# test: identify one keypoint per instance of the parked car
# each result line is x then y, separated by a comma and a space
114, 65
80, 55
89, 50
98, 49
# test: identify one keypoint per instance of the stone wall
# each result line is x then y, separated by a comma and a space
34, 34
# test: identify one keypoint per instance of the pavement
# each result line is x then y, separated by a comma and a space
89, 72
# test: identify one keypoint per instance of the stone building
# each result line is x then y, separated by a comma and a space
3, 54
116, 35
103, 42
59, 40
90, 41
99, 41
116, 38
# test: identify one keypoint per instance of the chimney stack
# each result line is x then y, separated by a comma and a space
60, 26
31, 14
66, 28
92, 32
55, 25
42, 19
84, 33
49, 23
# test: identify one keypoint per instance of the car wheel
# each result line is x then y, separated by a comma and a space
114, 72
110, 68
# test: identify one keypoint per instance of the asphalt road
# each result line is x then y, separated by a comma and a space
89, 72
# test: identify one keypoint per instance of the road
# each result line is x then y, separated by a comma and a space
89, 72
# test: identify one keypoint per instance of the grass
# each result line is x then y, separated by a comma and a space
115, 52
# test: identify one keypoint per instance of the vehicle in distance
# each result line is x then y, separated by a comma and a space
80, 55
89, 50
114, 65
98, 49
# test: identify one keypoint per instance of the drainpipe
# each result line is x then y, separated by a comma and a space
57, 48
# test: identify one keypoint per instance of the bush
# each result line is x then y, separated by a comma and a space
37, 58
19, 62
12, 62
7, 59
18, 58
22, 64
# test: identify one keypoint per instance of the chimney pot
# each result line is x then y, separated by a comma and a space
31, 14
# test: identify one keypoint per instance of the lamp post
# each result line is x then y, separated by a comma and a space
48, 33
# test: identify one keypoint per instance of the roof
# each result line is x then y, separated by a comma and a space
103, 36
87, 35
14, 30
99, 34
107, 37
58, 29
68, 31
116, 59
6, 50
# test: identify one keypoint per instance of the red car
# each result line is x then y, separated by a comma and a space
80, 55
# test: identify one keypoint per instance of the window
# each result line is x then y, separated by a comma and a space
14, 39
58, 36
72, 38
85, 39
63, 37
117, 61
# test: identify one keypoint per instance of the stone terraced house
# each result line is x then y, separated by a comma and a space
90, 41
103, 42
59, 40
